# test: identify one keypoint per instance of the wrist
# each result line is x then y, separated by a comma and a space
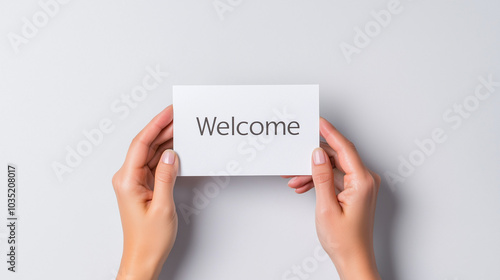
139, 269
358, 265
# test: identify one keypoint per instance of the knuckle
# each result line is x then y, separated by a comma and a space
136, 140
345, 197
368, 177
116, 180
121, 183
371, 181
350, 145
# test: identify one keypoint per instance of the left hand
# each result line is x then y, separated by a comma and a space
144, 190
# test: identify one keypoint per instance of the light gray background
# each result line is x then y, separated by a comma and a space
442, 222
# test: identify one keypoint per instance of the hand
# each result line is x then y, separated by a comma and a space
346, 198
144, 190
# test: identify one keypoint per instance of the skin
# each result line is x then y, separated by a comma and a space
346, 195
144, 190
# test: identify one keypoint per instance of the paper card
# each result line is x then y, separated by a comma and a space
245, 129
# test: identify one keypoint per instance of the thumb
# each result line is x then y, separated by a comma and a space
322, 175
166, 173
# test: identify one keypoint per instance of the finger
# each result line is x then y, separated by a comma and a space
165, 135
156, 158
349, 160
334, 157
299, 181
322, 174
139, 149
304, 188
287, 176
166, 173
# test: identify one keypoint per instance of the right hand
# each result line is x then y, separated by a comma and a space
344, 219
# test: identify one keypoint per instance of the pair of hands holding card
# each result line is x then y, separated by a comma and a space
346, 195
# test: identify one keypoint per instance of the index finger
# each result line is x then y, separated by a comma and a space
348, 157
137, 154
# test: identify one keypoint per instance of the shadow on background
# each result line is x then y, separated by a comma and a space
383, 232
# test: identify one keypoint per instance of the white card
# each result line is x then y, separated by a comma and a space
245, 129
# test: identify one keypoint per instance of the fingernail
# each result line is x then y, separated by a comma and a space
292, 180
168, 157
318, 156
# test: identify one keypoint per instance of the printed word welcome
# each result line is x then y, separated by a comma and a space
245, 127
